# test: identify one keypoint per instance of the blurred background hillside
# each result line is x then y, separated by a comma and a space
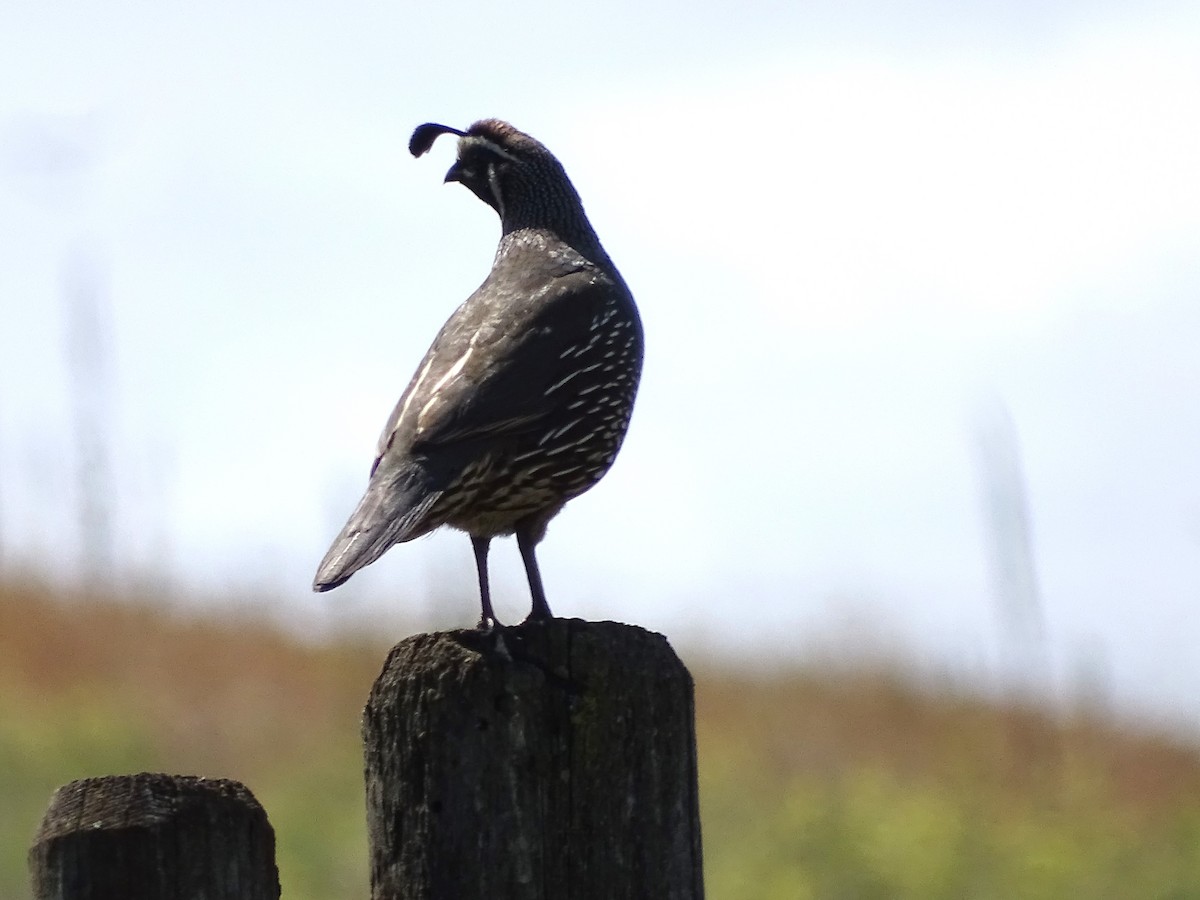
914, 467
823, 779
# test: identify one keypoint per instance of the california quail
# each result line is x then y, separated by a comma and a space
523, 399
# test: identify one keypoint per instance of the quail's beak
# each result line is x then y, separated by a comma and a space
455, 174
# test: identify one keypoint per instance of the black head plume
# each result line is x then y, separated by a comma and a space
423, 138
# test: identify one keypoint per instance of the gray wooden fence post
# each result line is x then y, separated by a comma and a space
154, 837
550, 760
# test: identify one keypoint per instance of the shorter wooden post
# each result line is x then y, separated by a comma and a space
154, 837
549, 760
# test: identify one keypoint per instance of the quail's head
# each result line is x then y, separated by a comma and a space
505, 168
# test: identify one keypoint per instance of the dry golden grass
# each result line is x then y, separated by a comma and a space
814, 784
801, 723
212, 691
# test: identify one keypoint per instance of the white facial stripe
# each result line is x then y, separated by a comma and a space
494, 184
493, 147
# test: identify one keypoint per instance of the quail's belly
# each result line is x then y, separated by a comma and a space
546, 470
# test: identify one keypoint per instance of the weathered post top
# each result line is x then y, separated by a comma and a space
549, 760
154, 837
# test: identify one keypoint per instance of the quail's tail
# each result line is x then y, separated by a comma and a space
391, 511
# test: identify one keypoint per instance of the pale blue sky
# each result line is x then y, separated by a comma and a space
848, 225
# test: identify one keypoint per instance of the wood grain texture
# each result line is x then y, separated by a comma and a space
154, 837
549, 760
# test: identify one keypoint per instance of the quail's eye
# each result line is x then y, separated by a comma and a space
495, 162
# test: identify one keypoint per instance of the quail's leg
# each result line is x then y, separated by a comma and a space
526, 543
487, 619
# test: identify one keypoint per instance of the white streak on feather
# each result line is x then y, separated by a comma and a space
416, 386
441, 382
554, 387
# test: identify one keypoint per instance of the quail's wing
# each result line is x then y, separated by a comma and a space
503, 363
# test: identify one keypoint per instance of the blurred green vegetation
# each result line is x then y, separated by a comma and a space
814, 784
